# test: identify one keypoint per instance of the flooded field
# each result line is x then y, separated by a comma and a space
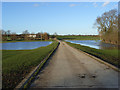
23, 45
98, 44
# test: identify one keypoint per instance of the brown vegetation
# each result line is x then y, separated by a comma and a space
107, 25
7, 35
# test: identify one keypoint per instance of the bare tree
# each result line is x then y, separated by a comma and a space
46, 36
107, 24
13, 36
38, 35
3, 32
42, 36
8, 32
55, 34
3, 35
25, 34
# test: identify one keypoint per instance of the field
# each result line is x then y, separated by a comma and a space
110, 56
78, 37
18, 63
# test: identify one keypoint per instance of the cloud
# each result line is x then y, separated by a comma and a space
35, 5
72, 5
95, 4
105, 4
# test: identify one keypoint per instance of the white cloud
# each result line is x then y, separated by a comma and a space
105, 4
72, 5
95, 4
36, 5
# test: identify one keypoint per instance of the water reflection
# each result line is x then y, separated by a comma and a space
23, 45
98, 44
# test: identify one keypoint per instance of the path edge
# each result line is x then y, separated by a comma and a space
98, 59
31, 76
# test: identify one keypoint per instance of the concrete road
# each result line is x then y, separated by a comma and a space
70, 68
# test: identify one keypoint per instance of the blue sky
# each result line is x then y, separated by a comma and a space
60, 17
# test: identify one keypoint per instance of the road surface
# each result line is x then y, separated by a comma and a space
72, 69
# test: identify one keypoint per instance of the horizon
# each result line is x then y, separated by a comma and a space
61, 17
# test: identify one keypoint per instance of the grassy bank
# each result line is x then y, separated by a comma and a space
18, 63
110, 56
78, 37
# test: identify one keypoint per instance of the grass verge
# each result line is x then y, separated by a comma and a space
110, 56
16, 64
36, 71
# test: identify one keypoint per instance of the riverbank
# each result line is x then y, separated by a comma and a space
18, 63
110, 56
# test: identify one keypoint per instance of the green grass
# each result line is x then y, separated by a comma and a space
78, 38
18, 63
110, 56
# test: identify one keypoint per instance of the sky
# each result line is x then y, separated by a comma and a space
60, 17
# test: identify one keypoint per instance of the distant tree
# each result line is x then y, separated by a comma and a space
46, 36
107, 24
52, 36
32, 33
55, 34
25, 34
13, 36
3, 35
42, 36
38, 35
3, 32
8, 32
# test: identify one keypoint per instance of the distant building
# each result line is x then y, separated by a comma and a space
32, 35
39, 36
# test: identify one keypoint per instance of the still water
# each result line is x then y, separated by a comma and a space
23, 45
97, 44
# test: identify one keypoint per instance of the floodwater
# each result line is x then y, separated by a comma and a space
23, 45
97, 44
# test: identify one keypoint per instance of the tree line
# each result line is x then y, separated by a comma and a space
8, 35
107, 25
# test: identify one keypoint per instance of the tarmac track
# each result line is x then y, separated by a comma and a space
69, 68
